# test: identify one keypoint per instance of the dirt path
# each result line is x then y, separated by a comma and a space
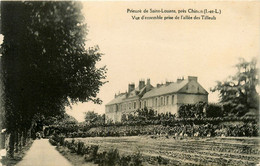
42, 153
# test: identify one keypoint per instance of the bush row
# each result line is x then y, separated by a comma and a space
105, 158
83, 130
203, 130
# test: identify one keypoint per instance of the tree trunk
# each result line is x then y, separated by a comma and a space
10, 148
20, 139
24, 137
16, 141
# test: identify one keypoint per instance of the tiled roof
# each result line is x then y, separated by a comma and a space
165, 89
131, 96
118, 99
149, 91
173, 87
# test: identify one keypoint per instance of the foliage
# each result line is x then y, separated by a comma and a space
191, 110
57, 139
238, 93
185, 151
162, 160
144, 115
136, 159
94, 118
245, 126
90, 153
60, 120
110, 158
214, 110
45, 63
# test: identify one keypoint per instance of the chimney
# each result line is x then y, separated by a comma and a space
168, 83
180, 79
148, 81
192, 78
159, 85
141, 84
131, 87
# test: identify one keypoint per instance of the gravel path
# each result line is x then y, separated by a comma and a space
42, 153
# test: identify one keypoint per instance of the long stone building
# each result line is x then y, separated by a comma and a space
163, 98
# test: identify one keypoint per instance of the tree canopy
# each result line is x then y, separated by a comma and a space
94, 118
45, 60
238, 93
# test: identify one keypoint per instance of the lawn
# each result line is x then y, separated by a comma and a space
187, 151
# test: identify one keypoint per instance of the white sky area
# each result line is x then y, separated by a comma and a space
165, 50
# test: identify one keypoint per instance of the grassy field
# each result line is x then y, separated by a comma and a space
191, 151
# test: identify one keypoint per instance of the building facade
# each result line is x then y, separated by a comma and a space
163, 98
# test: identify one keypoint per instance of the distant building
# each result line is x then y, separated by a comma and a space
163, 98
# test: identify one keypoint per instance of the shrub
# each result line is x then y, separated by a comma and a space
162, 160
192, 110
136, 159
214, 110
80, 148
110, 158
57, 140
91, 154
125, 160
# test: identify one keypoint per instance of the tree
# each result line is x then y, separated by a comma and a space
238, 93
90, 116
45, 61
214, 110
65, 119
94, 118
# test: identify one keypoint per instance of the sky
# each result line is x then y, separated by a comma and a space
167, 49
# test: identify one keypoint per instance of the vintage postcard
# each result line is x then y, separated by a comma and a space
130, 83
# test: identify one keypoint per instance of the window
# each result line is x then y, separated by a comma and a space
129, 105
167, 100
144, 103
156, 102
161, 100
134, 105
172, 99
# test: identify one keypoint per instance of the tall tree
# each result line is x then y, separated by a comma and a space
94, 118
238, 93
45, 60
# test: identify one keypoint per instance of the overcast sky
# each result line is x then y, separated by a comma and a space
165, 50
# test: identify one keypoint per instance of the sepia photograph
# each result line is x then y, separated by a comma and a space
129, 83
